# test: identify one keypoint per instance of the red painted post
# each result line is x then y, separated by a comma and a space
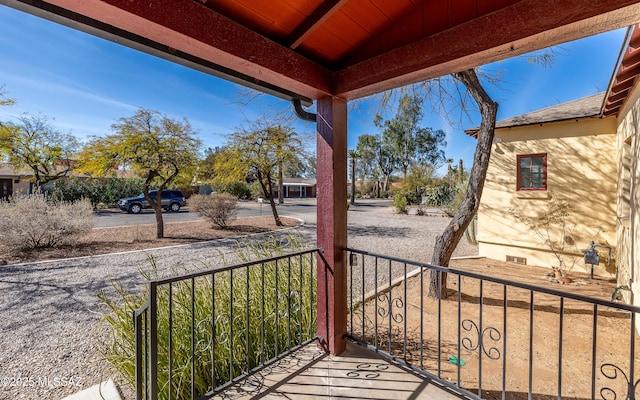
331, 171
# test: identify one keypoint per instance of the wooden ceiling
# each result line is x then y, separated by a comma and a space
308, 49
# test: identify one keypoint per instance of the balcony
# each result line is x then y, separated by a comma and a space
262, 329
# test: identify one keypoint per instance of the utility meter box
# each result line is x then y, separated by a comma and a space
591, 256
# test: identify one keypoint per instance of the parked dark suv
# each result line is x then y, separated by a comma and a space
171, 200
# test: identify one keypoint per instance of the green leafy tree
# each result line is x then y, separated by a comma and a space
4, 100
286, 144
367, 148
419, 178
387, 161
206, 168
353, 156
154, 146
410, 142
34, 143
260, 153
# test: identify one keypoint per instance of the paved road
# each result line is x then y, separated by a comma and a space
304, 209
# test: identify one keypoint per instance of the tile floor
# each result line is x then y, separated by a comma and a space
356, 374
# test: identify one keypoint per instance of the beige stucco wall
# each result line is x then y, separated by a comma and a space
21, 187
581, 169
628, 228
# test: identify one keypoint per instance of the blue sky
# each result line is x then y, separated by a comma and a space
84, 84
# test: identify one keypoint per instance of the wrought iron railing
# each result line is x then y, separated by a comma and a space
492, 338
202, 332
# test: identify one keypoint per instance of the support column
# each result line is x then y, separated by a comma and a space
331, 171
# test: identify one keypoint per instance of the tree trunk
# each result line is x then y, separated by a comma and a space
268, 193
157, 208
353, 181
449, 239
280, 185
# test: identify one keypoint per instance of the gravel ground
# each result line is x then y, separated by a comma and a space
49, 310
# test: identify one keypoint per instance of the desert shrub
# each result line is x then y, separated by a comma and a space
402, 199
238, 189
36, 221
99, 191
277, 297
219, 208
472, 231
459, 191
400, 203
440, 195
368, 189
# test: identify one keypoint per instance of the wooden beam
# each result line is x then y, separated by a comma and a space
331, 160
323, 12
193, 29
634, 43
615, 104
621, 95
514, 30
631, 60
624, 77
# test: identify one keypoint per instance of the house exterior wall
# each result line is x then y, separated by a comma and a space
296, 191
628, 199
581, 169
22, 186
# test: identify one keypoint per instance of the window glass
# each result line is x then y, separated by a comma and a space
532, 172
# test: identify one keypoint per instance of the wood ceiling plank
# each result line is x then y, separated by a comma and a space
395, 10
621, 95
275, 18
631, 59
461, 11
486, 7
343, 27
414, 26
325, 45
313, 21
435, 17
369, 17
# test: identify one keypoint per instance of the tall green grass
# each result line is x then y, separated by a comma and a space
240, 319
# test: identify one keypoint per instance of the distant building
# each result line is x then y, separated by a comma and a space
14, 181
20, 181
296, 188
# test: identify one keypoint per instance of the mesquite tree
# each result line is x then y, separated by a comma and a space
36, 144
150, 144
450, 237
259, 153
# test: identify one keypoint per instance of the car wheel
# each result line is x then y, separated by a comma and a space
174, 207
135, 209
